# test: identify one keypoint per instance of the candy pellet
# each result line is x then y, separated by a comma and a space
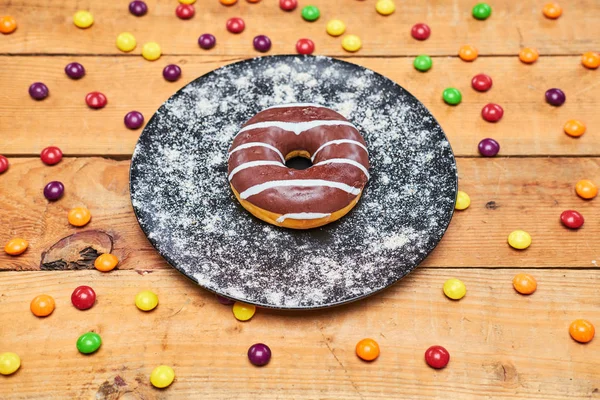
455, 289
83, 19
162, 376
463, 201
42, 305
146, 300
242, 311
519, 239
524, 283
9, 363
367, 349
89, 343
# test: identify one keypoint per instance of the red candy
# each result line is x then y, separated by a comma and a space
236, 25
288, 5
83, 297
481, 82
305, 46
185, 11
420, 31
492, 112
3, 164
51, 155
437, 357
571, 219
95, 100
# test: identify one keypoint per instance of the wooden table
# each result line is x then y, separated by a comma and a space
502, 344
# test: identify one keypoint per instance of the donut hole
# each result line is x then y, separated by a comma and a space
298, 159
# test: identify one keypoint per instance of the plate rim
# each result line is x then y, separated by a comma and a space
293, 308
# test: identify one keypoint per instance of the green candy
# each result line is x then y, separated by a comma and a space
89, 343
423, 63
311, 13
482, 11
452, 96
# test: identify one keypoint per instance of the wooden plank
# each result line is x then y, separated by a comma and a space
530, 126
501, 343
506, 194
47, 27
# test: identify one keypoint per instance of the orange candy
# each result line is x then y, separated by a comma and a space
253, 1
582, 330
7, 24
42, 305
574, 128
467, 53
367, 349
228, 2
106, 262
16, 246
552, 10
586, 189
590, 60
524, 283
528, 55
79, 216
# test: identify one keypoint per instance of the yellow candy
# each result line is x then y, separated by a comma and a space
455, 289
519, 239
126, 42
463, 201
243, 311
151, 51
385, 7
162, 376
187, 1
335, 27
9, 363
146, 300
83, 19
351, 43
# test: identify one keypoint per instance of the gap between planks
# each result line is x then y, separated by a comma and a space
247, 56
479, 268
127, 157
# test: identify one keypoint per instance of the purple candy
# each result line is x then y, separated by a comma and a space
207, 41
224, 300
262, 43
74, 70
259, 354
134, 119
488, 147
138, 8
54, 190
555, 96
172, 72
38, 91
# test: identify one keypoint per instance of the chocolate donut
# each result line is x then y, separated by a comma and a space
292, 198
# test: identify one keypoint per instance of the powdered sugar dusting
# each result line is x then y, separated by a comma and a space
184, 204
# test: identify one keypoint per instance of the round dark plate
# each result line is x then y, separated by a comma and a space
183, 202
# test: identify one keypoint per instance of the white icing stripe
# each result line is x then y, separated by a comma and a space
345, 161
251, 164
296, 127
256, 189
339, 141
256, 144
302, 215
291, 105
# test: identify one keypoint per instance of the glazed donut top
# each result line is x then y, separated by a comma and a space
256, 161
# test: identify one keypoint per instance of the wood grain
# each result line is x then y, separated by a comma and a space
47, 27
530, 126
503, 344
506, 194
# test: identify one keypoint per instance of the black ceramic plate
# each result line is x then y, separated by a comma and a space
183, 202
